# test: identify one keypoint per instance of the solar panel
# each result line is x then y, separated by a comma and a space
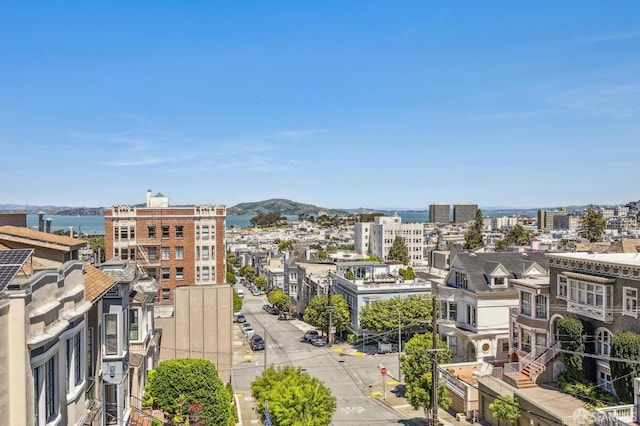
11, 262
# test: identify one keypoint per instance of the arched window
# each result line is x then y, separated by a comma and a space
603, 341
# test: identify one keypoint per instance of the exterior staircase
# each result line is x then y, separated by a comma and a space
524, 374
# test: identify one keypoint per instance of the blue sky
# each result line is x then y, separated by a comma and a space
342, 104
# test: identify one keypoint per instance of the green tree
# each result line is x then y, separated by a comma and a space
372, 258
625, 345
572, 338
399, 250
295, 398
278, 298
260, 283
473, 237
237, 301
190, 381
382, 315
407, 274
322, 254
316, 312
267, 219
516, 235
593, 225
284, 245
505, 407
231, 277
231, 258
418, 374
248, 272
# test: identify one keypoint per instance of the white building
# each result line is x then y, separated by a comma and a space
376, 238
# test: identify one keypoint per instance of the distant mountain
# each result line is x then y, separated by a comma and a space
57, 210
285, 207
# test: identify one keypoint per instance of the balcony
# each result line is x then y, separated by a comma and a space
619, 415
590, 311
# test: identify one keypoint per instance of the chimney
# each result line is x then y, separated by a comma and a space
41, 221
148, 197
48, 225
71, 231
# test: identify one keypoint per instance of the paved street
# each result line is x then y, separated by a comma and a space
353, 377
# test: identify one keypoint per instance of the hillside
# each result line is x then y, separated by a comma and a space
285, 207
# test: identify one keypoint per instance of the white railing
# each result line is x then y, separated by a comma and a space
619, 415
542, 360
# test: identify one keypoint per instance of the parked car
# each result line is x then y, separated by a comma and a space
256, 342
256, 292
240, 293
283, 316
310, 335
246, 326
319, 341
240, 319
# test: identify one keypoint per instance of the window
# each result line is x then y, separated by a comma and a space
525, 306
124, 254
526, 340
90, 372
152, 252
166, 293
461, 280
453, 311
77, 347
205, 231
205, 273
179, 253
165, 231
51, 379
629, 302
452, 341
134, 324
116, 252
124, 232
205, 252
197, 252
604, 380
179, 273
197, 272
197, 231
111, 403
505, 346
515, 336
541, 340
589, 294
132, 232
165, 253
541, 306
165, 274
151, 230
471, 315
132, 253
603, 341
179, 231
69, 361
116, 233
498, 281
153, 272
111, 334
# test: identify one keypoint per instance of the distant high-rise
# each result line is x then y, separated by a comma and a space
545, 217
440, 213
464, 212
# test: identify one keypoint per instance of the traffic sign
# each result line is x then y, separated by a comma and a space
383, 371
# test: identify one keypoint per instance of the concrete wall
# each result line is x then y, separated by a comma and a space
201, 327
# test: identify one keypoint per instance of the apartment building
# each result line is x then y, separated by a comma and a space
545, 217
376, 238
178, 246
439, 213
464, 212
42, 329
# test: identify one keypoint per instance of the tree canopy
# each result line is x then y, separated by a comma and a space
516, 235
230, 277
316, 312
399, 250
237, 301
261, 283
294, 398
416, 365
267, 219
505, 407
248, 272
593, 225
382, 315
180, 383
284, 245
473, 238
278, 298
572, 338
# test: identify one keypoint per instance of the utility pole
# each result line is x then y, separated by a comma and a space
399, 347
330, 311
434, 362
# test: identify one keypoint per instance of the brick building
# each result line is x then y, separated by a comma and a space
179, 246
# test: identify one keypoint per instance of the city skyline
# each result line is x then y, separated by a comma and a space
377, 105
